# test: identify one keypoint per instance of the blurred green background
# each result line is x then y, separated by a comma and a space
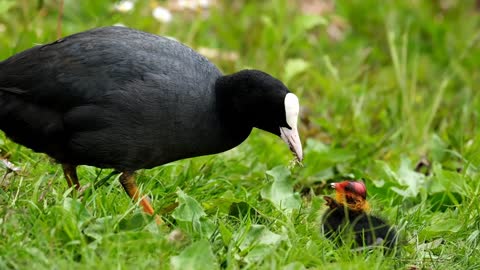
389, 93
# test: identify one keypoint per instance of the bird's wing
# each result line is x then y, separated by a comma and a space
80, 67
59, 75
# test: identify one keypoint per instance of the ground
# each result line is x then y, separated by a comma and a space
389, 93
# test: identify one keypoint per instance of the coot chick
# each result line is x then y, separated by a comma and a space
347, 220
120, 98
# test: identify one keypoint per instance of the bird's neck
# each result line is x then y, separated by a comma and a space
233, 104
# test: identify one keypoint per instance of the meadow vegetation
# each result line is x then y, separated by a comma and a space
390, 93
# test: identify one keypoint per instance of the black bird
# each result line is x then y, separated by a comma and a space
120, 98
347, 218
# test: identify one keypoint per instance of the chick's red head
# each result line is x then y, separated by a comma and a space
352, 194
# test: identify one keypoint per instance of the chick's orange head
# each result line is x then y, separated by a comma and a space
352, 193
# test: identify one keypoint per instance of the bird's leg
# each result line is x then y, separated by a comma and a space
70, 172
128, 182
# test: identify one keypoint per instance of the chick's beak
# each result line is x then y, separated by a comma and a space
291, 137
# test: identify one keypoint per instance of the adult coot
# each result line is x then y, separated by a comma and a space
119, 98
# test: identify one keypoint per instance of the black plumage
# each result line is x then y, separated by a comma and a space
119, 98
346, 223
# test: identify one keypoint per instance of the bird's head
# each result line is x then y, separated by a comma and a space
352, 194
256, 99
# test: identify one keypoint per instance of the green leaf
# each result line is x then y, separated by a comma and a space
441, 224
294, 67
191, 217
280, 191
198, 255
446, 181
224, 202
412, 180
188, 209
77, 209
99, 227
134, 222
405, 181
225, 233
446, 225
438, 148
257, 242
259, 235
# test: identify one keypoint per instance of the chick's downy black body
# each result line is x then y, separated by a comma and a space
347, 221
343, 224
119, 98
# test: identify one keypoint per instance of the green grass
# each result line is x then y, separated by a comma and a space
401, 83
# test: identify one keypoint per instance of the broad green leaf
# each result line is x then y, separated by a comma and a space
191, 216
259, 235
438, 148
198, 255
99, 228
280, 191
135, 222
447, 225
446, 181
412, 180
257, 242
188, 209
406, 182
77, 208
222, 203
440, 225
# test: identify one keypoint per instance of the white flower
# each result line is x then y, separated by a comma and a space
124, 6
162, 14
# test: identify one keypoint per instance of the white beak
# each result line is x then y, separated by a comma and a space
290, 136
